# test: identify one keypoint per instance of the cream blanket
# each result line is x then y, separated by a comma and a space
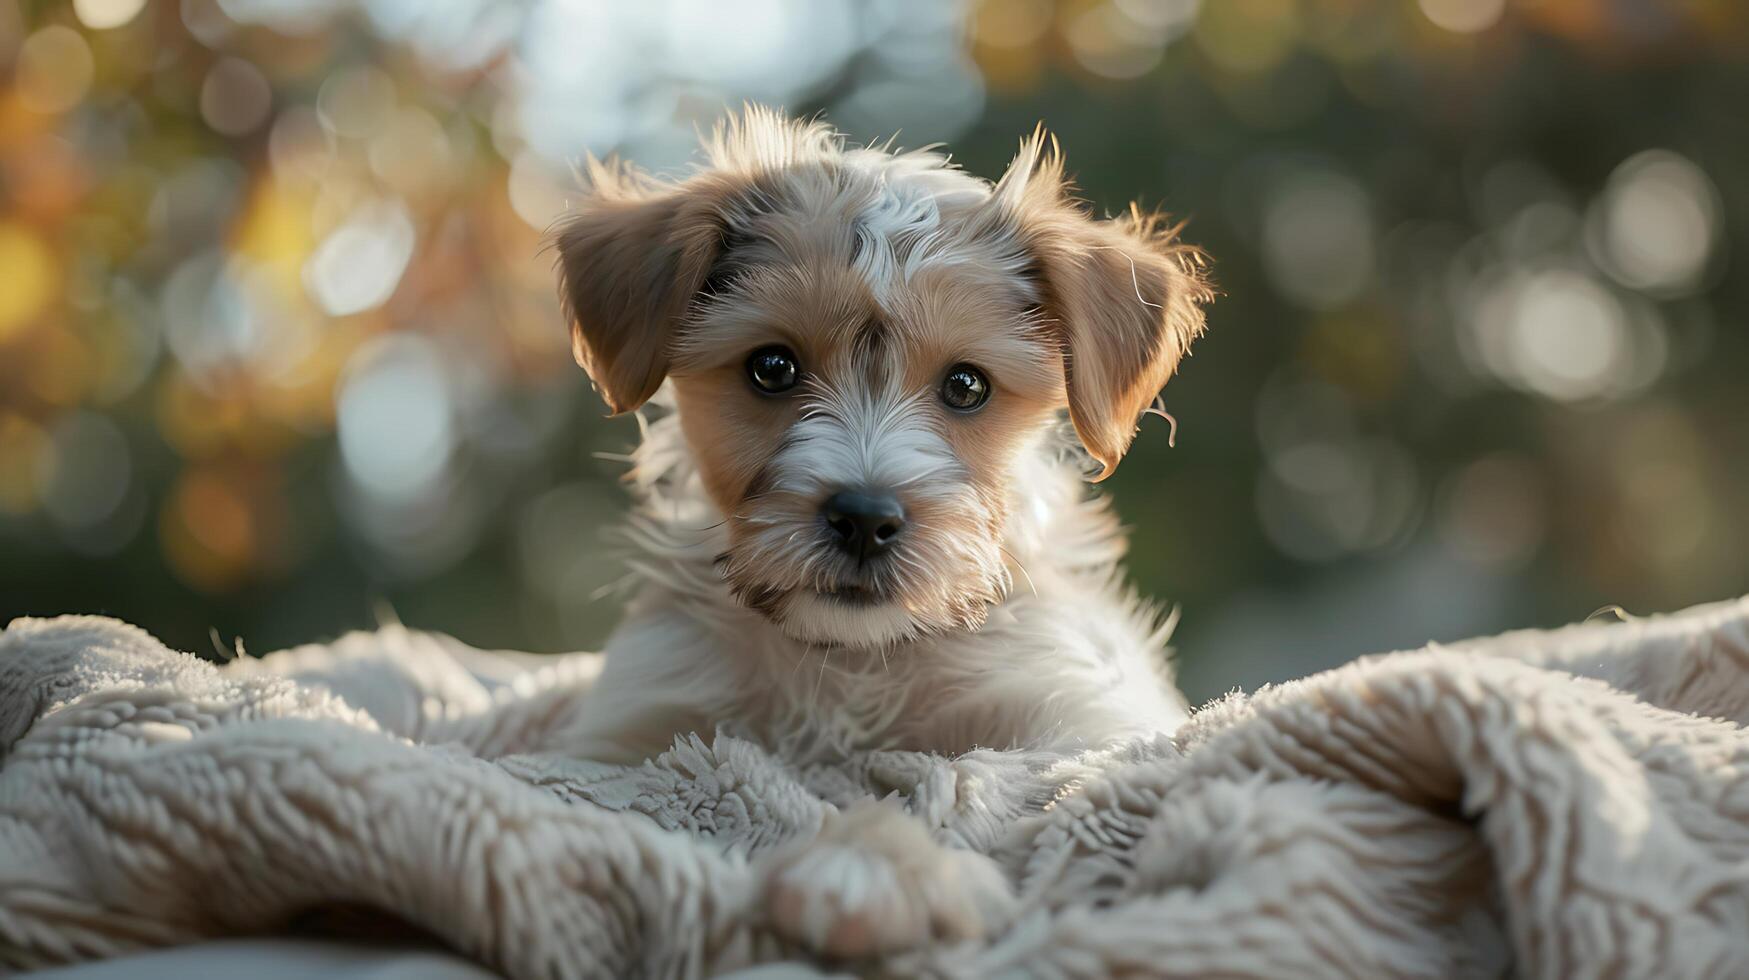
1473, 810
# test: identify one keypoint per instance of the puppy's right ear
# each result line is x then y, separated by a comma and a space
633, 255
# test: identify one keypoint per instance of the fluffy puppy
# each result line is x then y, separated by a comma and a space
861, 523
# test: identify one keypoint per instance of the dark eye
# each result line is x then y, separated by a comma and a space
773, 370
965, 388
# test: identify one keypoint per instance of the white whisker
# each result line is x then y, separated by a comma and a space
1135, 280
1023, 572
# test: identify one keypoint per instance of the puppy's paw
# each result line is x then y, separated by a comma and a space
873, 883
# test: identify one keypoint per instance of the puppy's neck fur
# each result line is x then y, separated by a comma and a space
1070, 649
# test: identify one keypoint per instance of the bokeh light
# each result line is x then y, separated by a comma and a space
31, 277
1463, 16
279, 340
1318, 239
357, 267
104, 14
235, 97
54, 70
1495, 512
1657, 223
1560, 333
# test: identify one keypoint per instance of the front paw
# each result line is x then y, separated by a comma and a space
873, 883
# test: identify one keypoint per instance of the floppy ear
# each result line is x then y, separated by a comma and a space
1123, 296
633, 255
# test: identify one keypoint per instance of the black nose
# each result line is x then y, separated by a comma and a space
865, 524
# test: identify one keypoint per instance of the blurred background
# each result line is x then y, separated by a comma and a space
280, 354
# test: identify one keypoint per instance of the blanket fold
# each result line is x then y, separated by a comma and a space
1542, 803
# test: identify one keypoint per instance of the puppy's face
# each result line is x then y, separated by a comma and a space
858, 427
862, 346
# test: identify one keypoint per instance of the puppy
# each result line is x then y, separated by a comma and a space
861, 524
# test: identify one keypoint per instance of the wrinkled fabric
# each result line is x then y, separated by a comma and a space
1564, 803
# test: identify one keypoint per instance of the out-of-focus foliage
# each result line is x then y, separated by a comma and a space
279, 348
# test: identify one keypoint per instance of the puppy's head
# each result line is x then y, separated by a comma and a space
862, 347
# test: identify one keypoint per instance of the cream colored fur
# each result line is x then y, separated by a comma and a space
1462, 812
998, 617
1003, 620
1070, 658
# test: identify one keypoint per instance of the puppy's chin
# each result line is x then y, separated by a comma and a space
829, 620
934, 584
857, 622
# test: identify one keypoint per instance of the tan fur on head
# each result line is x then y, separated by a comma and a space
881, 273
635, 251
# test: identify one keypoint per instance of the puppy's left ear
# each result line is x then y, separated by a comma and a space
1123, 296
633, 256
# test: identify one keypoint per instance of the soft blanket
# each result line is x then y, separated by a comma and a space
1553, 804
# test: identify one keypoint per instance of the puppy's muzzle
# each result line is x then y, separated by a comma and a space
864, 523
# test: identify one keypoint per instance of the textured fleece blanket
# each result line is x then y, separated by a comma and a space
1473, 810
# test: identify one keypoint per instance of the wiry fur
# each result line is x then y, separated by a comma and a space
1070, 655
1000, 619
